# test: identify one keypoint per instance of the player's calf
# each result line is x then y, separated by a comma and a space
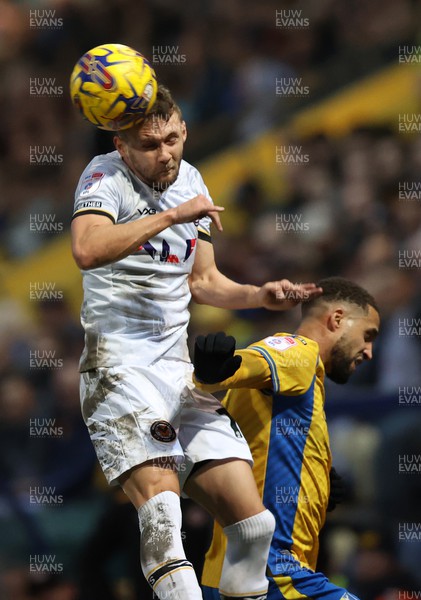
154, 490
162, 556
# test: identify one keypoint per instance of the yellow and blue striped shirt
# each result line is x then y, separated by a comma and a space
277, 398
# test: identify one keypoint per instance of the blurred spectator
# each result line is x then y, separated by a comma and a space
353, 222
232, 57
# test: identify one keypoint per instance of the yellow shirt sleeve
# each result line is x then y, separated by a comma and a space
254, 373
282, 363
292, 361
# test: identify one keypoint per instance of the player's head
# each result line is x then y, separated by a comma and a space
153, 149
347, 319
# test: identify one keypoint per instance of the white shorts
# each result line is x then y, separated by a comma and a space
135, 414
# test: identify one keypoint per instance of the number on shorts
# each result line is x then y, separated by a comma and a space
233, 423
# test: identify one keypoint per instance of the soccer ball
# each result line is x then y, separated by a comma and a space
113, 86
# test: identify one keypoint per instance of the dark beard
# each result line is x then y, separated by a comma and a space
340, 364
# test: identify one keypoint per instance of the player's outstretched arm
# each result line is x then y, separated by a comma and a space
283, 294
97, 241
209, 286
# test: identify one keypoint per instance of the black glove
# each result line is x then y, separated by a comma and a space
214, 358
337, 490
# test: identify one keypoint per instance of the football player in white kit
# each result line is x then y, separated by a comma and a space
141, 236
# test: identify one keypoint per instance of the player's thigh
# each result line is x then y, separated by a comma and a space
218, 461
226, 489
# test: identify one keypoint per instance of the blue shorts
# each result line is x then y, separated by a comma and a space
210, 593
307, 583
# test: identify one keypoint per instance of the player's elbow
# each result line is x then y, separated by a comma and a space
198, 291
85, 263
197, 296
203, 287
83, 258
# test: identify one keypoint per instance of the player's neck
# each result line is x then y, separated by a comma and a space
316, 331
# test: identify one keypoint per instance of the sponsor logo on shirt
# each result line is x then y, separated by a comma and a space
90, 204
91, 183
165, 255
280, 343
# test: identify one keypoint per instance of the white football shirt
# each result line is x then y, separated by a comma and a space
135, 310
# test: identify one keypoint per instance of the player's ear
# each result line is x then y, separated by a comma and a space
184, 130
119, 145
334, 319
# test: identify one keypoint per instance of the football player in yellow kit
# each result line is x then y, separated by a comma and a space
276, 395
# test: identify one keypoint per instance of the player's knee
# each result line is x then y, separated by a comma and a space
145, 481
267, 524
248, 544
260, 526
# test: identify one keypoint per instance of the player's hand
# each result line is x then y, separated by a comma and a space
283, 294
196, 208
337, 490
214, 358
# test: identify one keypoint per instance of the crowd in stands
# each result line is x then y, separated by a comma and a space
227, 57
350, 219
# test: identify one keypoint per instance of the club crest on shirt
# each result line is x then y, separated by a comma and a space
280, 343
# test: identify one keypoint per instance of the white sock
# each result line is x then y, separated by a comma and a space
248, 543
162, 555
